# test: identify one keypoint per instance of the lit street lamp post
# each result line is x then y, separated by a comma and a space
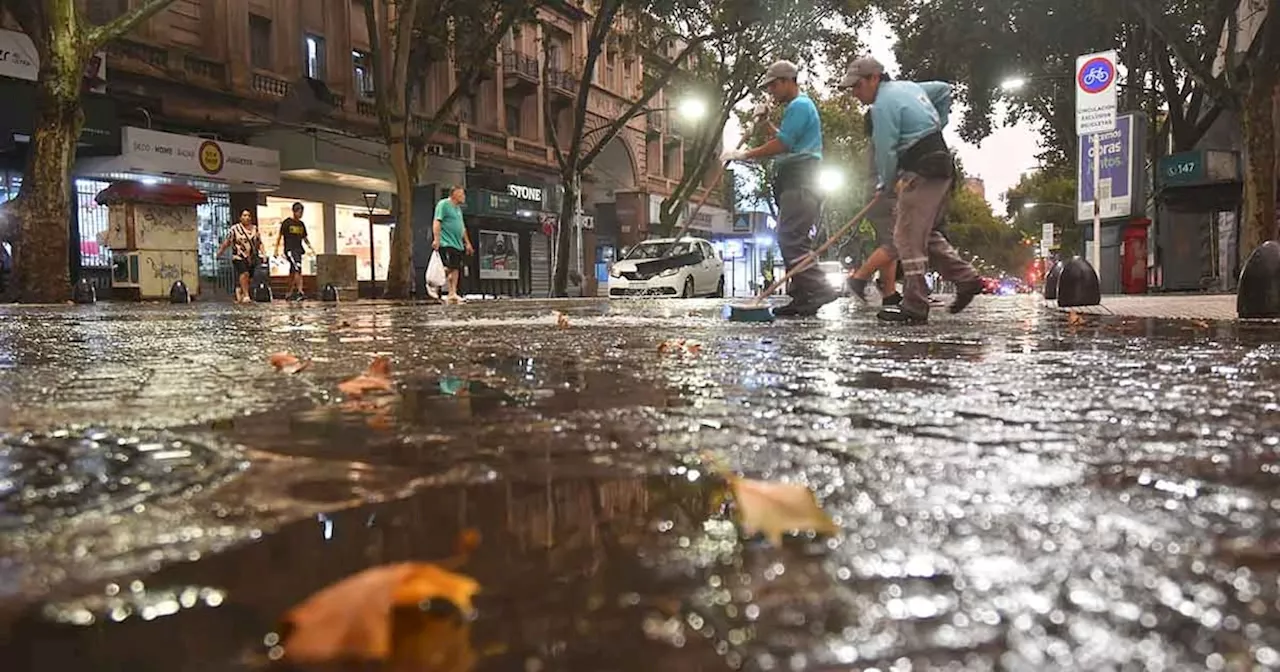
371, 202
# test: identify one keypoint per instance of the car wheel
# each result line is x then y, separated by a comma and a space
688, 288
719, 289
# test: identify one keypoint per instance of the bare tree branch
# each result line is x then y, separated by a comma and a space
1195, 67
121, 25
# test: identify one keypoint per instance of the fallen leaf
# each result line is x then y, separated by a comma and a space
375, 379
562, 320
773, 508
379, 615
1075, 318
679, 346
287, 363
693, 347
1202, 324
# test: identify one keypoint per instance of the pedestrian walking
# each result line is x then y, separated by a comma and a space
450, 239
246, 253
914, 163
796, 151
293, 236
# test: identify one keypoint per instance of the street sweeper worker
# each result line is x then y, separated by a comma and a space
913, 160
796, 150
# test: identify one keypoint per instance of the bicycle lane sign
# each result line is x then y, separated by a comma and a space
1096, 104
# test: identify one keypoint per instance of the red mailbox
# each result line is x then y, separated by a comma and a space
1133, 257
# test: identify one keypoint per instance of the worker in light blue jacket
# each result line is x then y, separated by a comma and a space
913, 161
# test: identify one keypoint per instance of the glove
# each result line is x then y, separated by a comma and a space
733, 155
760, 111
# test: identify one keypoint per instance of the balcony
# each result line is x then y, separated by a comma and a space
269, 86
529, 149
199, 68
519, 72
562, 83
366, 108
653, 124
486, 138
129, 50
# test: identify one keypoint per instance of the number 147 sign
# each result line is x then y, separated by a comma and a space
1096, 93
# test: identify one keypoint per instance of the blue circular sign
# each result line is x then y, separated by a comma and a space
1096, 75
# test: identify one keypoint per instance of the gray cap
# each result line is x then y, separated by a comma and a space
860, 68
780, 70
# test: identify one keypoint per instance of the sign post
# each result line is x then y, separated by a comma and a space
1046, 239
1096, 111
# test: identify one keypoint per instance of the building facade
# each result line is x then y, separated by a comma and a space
264, 103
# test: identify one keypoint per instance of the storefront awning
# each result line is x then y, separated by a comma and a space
100, 135
318, 155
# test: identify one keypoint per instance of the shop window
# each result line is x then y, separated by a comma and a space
279, 209
314, 56
213, 223
362, 69
260, 55
352, 225
93, 220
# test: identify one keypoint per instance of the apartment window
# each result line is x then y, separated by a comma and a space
362, 69
513, 119
260, 42
611, 68
314, 60
104, 11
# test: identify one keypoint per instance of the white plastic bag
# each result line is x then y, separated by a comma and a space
435, 270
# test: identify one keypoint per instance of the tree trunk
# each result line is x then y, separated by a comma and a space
1259, 218
44, 202
564, 237
399, 283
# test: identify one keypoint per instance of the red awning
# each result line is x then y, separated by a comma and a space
155, 194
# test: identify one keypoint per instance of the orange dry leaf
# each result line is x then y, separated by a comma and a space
773, 508
376, 615
377, 378
1074, 318
1203, 324
562, 321
287, 363
678, 346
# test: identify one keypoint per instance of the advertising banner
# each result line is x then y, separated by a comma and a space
499, 255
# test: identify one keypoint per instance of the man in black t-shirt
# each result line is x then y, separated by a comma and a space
293, 235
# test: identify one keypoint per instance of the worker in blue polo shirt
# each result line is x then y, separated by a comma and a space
796, 150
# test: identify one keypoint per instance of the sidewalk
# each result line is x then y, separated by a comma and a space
1166, 306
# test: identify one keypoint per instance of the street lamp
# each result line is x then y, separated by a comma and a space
1028, 206
1013, 83
830, 180
371, 202
692, 109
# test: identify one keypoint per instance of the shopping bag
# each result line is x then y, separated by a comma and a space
435, 270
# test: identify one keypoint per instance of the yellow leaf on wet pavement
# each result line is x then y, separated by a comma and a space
771, 509
373, 614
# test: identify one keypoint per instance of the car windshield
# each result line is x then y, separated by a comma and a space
655, 249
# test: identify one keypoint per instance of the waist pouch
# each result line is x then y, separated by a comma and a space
929, 157
795, 174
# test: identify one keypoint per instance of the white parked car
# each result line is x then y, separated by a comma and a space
703, 276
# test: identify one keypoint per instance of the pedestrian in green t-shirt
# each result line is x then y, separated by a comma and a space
450, 239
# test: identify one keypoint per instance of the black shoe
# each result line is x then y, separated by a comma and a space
858, 289
806, 305
894, 299
965, 291
899, 315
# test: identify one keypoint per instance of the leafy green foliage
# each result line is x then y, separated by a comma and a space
1047, 196
977, 233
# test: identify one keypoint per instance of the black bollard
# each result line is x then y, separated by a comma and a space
178, 293
329, 294
84, 292
1078, 284
261, 292
1258, 296
1051, 281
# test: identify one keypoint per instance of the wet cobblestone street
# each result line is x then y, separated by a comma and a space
1016, 489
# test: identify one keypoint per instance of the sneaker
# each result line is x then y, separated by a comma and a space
806, 305
899, 315
858, 288
965, 291
894, 299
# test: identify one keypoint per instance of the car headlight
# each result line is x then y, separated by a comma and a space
615, 273
668, 273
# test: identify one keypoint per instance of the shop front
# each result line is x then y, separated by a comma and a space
99, 136
329, 174
504, 228
220, 169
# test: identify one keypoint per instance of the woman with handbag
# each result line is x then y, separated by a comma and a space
246, 253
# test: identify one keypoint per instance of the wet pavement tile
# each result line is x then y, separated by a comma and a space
1015, 489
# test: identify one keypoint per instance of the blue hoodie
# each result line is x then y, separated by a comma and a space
902, 114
